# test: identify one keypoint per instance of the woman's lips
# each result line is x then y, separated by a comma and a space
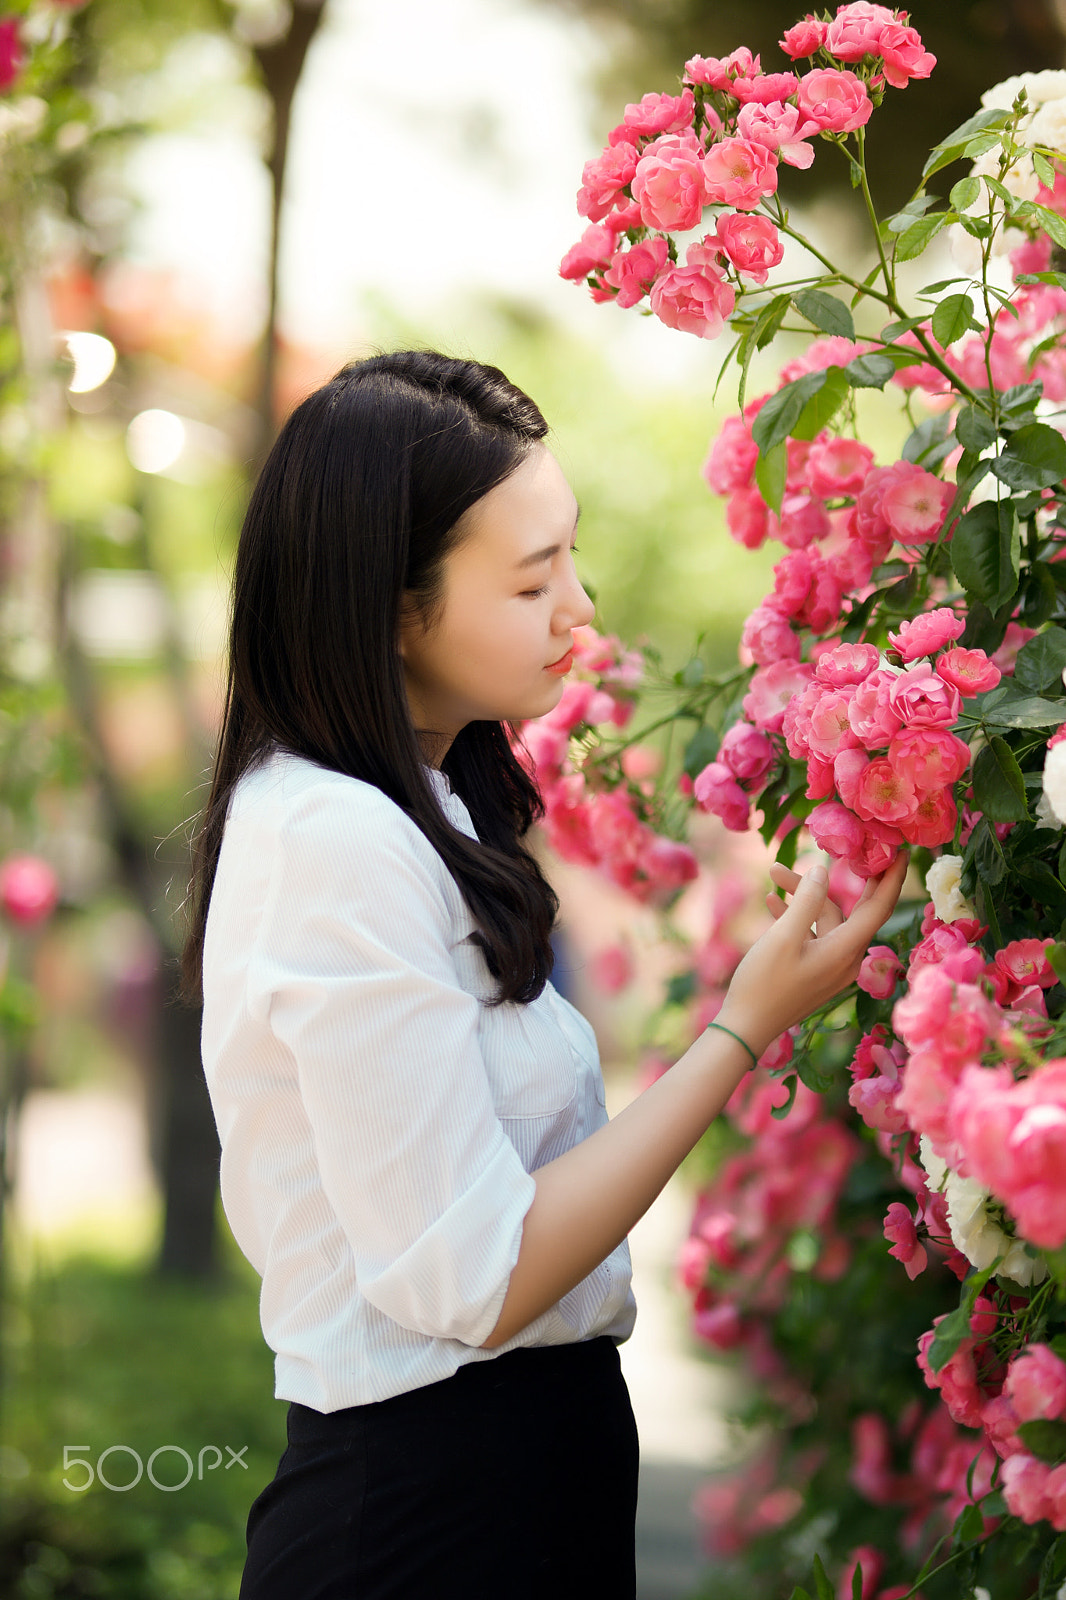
562, 665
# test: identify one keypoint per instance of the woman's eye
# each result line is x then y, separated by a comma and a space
535, 594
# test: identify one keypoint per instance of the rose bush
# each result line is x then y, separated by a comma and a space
883, 1242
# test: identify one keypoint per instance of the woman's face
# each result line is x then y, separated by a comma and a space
511, 598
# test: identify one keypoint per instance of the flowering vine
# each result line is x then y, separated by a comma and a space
902, 686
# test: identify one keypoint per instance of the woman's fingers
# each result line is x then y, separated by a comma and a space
830, 916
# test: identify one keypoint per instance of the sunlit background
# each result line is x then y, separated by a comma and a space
433, 155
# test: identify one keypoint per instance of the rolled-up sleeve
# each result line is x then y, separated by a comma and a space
354, 966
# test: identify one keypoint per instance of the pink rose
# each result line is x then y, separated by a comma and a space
769, 88
883, 793
877, 851
1036, 1384
28, 890
872, 713
1024, 1485
931, 757
1024, 961
626, 215
594, 249
968, 671
915, 505
781, 128
838, 467
739, 173
751, 243
846, 663
12, 55
694, 299
836, 102
769, 637
835, 829
880, 971
660, 113
803, 38
747, 753
770, 691
720, 72
603, 178
829, 730
717, 791
923, 700
900, 1228
932, 821
732, 458
904, 55
632, 272
1014, 1139
669, 186
748, 518
611, 969
927, 633
803, 520
856, 30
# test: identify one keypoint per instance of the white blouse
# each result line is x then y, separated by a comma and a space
379, 1122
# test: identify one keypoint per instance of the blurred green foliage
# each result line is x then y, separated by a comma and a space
98, 1353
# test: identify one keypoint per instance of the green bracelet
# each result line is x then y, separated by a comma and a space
723, 1029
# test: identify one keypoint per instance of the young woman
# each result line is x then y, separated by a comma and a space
415, 1152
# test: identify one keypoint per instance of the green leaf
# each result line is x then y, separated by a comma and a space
1040, 663
771, 470
681, 988
985, 549
823, 1588
1035, 458
950, 1332
1056, 955
856, 1582
1038, 878
1021, 399
1057, 278
1044, 170
799, 1593
693, 673
919, 235
823, 405
998, 785
701, 749
964, 193
1000, 191
780, 413
779, 1113
1029, 712
969, 1524
1049, 221
974, 430
818, 1082
1044, 1439
825, 311
770, 319
923, 440
870, 372
951, 146
952, 318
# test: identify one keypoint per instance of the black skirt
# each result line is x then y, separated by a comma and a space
515, 1479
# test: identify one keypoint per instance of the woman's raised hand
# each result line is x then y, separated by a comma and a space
809, 955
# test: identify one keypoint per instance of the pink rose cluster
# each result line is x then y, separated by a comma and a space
735, 1262
935, 1487
719, 143
881, 758
586, 822
833, 495
980, 1391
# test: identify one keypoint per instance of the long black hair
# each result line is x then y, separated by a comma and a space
353, 513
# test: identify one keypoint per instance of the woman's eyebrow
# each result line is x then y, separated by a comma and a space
545, 554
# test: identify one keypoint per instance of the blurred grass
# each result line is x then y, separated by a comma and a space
98, 1352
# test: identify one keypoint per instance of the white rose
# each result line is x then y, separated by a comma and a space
1039, 88
1049, 126
942, 882
1055, 782
973, 1230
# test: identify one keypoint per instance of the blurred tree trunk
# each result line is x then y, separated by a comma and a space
186, 1142
281, 62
